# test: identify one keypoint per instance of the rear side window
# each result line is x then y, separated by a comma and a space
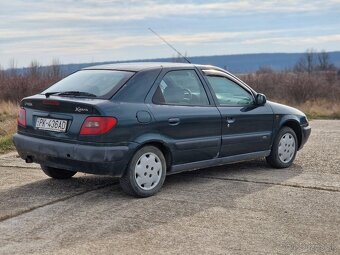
182, 87
228, 92
102, 83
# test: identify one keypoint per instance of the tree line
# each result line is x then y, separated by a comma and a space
312, 78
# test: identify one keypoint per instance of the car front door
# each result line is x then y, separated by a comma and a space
186, 117
246, 127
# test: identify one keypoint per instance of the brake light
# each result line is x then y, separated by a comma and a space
22, 117
50, 102
97, 125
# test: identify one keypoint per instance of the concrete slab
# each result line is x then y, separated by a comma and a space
244, 208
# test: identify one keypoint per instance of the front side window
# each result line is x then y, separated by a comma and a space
182, 87
228, 92
97, 82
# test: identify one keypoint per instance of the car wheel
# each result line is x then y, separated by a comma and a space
284, 149
57, 173
145, 174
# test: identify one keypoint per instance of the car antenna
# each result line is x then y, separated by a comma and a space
172, 47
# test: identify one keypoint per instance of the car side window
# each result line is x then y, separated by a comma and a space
181, 87
229, 93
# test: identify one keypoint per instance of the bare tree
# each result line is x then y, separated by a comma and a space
55, 70
324, 62
33, 69
307, 63
265, 70
323, 58
13, 67
310, 60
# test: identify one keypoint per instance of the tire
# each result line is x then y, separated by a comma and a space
57, 173
145, 174
284, 149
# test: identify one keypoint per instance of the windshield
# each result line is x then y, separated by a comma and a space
100, 83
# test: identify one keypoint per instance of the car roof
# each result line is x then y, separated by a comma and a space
139, 66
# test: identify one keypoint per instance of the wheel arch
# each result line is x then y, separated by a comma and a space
161, 145
164, 149
295, 125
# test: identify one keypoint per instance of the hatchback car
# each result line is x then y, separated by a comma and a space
143, 121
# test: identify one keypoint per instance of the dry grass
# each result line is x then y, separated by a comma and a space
8, 108
6, 144
8, 124
296, 88
319, 109
316, 94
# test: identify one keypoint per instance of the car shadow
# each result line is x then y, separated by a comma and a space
26, 197
182, 195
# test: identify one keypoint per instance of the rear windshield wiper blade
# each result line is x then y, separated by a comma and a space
70, 93
48, 94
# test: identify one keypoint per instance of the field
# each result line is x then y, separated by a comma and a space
316, 93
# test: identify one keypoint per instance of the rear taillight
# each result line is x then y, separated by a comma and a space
97, 125
22, 117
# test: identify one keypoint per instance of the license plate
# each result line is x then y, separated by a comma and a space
51, 124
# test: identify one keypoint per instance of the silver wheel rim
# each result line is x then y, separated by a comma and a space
286, 148
148, 171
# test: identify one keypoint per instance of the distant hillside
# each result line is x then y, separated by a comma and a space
241, 63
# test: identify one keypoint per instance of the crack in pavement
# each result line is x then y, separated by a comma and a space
24, 167
331, 189
6, 217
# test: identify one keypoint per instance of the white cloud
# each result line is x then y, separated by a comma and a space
69, 40
295, 40
46, 29
139, 10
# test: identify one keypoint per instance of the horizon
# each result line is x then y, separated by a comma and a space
77, 32
163, 59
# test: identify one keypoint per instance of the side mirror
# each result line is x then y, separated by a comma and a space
260, 99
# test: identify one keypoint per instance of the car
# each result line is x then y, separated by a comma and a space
143, 121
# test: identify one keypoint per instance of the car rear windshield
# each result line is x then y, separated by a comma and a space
100, 83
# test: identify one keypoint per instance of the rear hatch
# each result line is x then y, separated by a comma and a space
57, 118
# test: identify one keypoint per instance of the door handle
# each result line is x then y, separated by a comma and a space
231, 120
174, 121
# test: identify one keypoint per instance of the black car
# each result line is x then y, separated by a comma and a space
142, 121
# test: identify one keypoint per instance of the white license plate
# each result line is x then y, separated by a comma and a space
51, 124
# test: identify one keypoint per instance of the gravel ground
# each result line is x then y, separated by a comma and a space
244, 208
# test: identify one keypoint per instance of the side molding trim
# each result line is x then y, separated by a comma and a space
217, 162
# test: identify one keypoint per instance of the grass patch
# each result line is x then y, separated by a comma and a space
8, 125
6, 144
321, 109
316, 109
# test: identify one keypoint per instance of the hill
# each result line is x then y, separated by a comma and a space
240, 63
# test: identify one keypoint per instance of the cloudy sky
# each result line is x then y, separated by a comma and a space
76, 31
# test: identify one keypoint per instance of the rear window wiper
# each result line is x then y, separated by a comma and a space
48, 94
70, 93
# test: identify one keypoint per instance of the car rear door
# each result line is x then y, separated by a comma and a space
246, 127
186, 117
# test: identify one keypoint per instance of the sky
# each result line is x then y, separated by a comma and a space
79, 31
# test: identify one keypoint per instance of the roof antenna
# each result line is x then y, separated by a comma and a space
172, 47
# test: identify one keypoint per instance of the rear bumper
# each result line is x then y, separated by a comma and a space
305, 133
89, 158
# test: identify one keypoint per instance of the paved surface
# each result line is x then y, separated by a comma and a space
245, 208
